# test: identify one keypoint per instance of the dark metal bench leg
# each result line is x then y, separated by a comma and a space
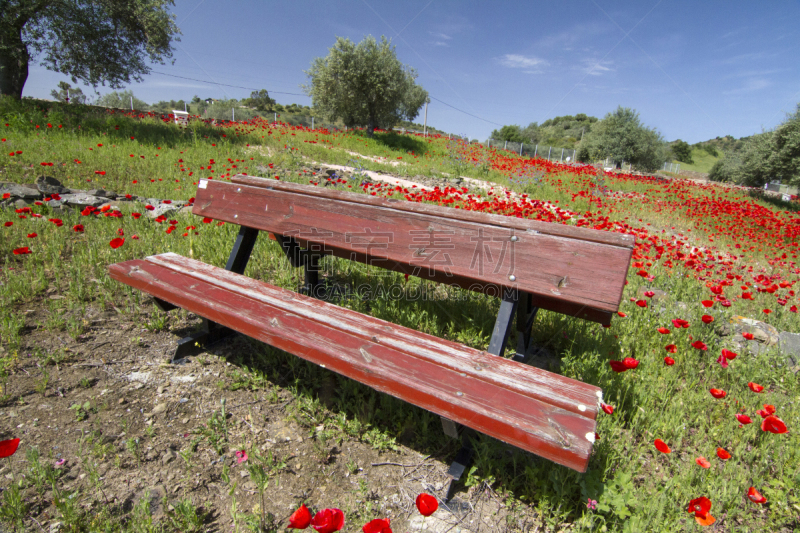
526, 314
212, 332
497, 344
311, 282
461, 462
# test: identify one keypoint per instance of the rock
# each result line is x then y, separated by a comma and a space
83, 200
19, 204
160, 389
790, 346
122, 401
162, 209
55, 527
141, 377
48, 185
104, 193
23, 191
762, 332
160, 408
168, 456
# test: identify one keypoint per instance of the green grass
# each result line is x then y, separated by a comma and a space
637, 488
702, 161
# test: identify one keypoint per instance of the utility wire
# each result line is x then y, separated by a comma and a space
225, 84
298, 94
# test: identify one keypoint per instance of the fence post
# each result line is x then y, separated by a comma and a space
550, 149
562, 156
276, 117
505, 146
233, 115
312, 123
520, 148
131, 102
536, 151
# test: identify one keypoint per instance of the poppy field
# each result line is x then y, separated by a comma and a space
699, 429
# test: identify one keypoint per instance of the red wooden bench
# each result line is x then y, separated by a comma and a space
529, 264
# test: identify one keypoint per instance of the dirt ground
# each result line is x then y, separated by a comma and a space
138, 416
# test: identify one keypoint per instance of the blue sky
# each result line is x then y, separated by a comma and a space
693, 70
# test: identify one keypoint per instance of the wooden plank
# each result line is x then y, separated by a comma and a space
582, 278
521, 224
544, 413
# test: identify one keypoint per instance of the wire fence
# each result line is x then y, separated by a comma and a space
551, 153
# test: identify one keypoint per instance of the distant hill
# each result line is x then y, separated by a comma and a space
559, 132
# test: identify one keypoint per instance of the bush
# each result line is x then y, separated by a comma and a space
682, 151
726, 170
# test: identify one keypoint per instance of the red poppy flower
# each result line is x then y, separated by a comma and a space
8, 224
723, 454
729, 355
328, 520
703, 462
607, 409
680, 323
300, 519
32, 235
707, 319
700, 506
747, 296
621, 314
8, 448
700, 345
671, 348
116, 243
755, 496
707, 303
755, 387
661, 446
149, 207
22, 251
766, 411
663, 331
773, 424
379, 525
669, 361
718, 393
77, 228
767, 311
793, 309
426, 504
641, 303
748, 336
649, 294
136, 216
743, 419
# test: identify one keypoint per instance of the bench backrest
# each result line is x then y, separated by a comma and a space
575, 271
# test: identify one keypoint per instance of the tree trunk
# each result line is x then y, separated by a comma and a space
371, 128
14, 59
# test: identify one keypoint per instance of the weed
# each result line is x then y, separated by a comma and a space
215, 431
14, 508
41, 385
185, 517
86, 383
82, 410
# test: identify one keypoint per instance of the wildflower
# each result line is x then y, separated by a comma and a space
379, 525
701, 508
300, 519
755, 387
755, 496
773, 424
669, 361
116, 243
718, 393
663, 331
629, 363
707, 319
671, 348
703, 462
22, 251
700, 345
426, 504
662, 446
241, 456
743, 419
328, 520
607, 409
591, 504
723, 454
8, 448
766, 411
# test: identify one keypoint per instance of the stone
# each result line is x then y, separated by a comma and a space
24, 191
162, 209
160, 408
19, 204
83, 200
160, 389
168, 456
790, 346
762, 332
48, 185
104, 193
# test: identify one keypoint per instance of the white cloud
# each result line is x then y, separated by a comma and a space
597, 68
752, 85
524, 62
442, 36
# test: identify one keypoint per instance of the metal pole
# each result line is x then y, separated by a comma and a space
562, 156
548, 153
312, 123
505, 146
233, 115
184, 108
276, 116
131, 102
520, 148
536, 151
425, 125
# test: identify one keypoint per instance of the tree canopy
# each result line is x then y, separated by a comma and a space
620, 136
259, 100
96, 41
364, 84
682, 151
67, 94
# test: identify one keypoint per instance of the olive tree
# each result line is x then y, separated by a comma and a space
620, 136
96, 41
364, 84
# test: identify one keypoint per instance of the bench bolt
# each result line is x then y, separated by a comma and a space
514, 238
512, 277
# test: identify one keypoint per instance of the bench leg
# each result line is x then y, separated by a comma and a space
212, 332
461, 462
526, 314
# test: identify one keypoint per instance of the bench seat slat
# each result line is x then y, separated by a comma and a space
544, 413
567, 274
